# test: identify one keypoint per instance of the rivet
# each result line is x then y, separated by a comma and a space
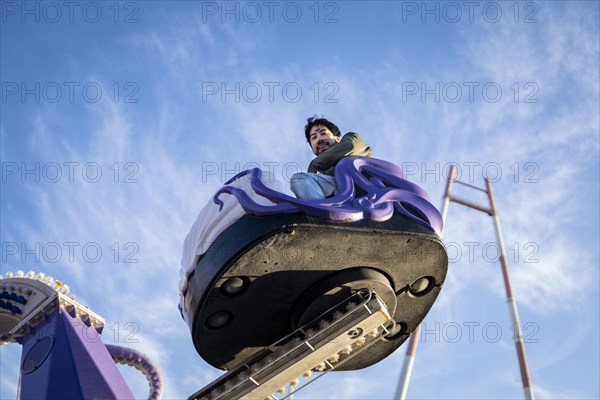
354, 333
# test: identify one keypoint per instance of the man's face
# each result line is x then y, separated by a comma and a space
321, 139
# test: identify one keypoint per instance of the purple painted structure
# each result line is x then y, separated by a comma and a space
63, 358
384, 183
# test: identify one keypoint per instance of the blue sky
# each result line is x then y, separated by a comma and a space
130, 115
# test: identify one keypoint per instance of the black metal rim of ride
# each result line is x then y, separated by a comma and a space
250, 231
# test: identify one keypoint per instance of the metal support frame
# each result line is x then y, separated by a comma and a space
510, 297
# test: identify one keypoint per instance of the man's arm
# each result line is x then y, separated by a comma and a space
350, 145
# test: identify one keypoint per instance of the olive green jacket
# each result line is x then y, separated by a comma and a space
350, 145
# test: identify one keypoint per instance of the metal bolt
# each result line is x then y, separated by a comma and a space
420, 285
218, 320
233, 286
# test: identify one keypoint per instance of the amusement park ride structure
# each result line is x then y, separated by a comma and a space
63, 356
275, 290
510, 297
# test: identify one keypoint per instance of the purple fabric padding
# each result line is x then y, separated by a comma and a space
386, 188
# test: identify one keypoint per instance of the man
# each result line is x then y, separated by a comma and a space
329, 146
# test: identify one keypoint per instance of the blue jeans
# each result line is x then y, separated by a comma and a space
310, 186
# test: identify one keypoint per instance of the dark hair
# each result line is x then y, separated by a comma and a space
314, 121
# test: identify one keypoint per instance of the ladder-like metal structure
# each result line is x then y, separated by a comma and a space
510, 297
